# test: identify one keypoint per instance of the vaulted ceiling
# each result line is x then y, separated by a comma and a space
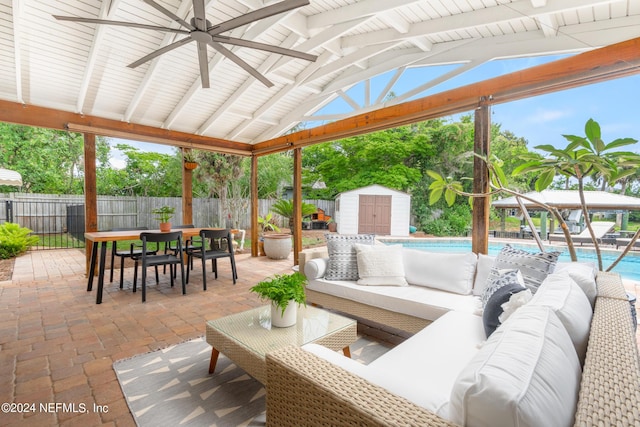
82, 68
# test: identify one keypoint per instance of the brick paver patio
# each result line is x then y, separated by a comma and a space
58, 346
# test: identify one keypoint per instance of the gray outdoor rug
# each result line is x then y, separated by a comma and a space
172, 387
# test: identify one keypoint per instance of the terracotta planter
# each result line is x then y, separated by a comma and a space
190, 165
165, 227
277, 246
287, 319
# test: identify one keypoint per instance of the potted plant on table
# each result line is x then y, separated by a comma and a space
286, 292
164, 215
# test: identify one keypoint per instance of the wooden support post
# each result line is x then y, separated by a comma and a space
187, 192
480, 222
297, 204
90, 193
254, 206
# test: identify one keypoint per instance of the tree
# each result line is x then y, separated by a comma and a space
50, 161
585, 157
285, 207
218, 171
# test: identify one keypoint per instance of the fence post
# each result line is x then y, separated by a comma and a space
9, 211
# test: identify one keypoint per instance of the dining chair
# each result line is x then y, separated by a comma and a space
191, 244
215, 244
134, 251
148, 259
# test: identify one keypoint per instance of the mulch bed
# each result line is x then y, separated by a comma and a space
6, 269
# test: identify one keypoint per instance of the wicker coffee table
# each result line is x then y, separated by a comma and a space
247, 337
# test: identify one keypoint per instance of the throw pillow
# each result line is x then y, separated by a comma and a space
534, 266
380, 265
502, 278
502, 290
343, 264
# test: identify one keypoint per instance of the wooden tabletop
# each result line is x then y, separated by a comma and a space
109, 236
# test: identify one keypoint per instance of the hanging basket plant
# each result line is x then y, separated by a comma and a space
190, 162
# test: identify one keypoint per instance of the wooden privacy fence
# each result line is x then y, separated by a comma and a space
59, 220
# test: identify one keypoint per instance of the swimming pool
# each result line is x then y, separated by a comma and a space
628, 268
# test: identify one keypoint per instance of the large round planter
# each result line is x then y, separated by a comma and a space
288, 319
277, 246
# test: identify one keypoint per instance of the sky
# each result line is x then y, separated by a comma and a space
540, 120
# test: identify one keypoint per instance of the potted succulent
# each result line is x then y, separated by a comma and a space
190, 162
286, 292
164, 215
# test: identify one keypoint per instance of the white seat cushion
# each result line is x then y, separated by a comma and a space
526, 374
422, 369
418, 301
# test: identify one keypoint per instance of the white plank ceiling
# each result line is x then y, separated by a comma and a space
82, 67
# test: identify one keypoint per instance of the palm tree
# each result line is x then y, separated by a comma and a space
285, 208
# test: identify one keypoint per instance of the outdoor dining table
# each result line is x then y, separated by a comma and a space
104, 237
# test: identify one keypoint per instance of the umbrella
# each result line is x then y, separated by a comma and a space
9, 177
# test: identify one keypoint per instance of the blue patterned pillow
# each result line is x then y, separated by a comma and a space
343, 261
535, 267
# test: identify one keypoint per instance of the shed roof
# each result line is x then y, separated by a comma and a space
373, 188
565, 199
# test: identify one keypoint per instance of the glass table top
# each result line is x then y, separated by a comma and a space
253, 330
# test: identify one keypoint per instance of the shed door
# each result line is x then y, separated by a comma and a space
374, 215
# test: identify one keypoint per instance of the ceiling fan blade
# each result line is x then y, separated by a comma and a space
119, 23
248, 68
256, 15
160, 51
199, 15
266, 47
203, 60
170, 14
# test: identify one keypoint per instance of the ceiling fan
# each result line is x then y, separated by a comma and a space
200, 30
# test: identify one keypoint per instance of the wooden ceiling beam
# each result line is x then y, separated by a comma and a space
30, 115
607, 63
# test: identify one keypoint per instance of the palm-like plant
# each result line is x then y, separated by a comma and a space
584, 157
285, 208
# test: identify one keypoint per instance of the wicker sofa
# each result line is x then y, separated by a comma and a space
305, 389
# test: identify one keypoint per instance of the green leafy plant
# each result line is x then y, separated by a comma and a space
190, 156
15, 240
281, 289
285, 207
164, 214
266, 223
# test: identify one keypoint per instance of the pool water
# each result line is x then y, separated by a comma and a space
628, 268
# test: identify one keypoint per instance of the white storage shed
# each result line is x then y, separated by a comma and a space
373, 209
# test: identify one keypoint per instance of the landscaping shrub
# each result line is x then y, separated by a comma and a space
15, 240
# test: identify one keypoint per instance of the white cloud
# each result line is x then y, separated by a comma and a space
545, 116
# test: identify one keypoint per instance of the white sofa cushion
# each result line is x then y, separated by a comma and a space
483, 269
422, 369
418, 301
526, 374
451, 272
561, 293
584, 274
380, 265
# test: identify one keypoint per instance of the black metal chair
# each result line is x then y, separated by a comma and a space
172, 260
190, 245
135, 250
220, 245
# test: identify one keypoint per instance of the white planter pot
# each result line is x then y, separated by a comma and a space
277, 246
288, 319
